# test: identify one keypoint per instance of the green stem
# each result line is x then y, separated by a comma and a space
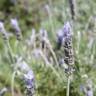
9, 50
68, 87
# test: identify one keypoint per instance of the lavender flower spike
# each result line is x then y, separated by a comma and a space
27, 76
68, 53
67, 30
3, 31
89, 88
67, 41
29, 83
43, 34
43, 37
16, 27
63, 33
60, 36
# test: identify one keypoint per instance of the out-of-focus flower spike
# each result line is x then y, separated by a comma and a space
3, 31
15, 26
33, 33
28, 77
60, 36
43, 33
89, 88
43, 37
31, 40
22, 65
3, 91
29, 83
13, 2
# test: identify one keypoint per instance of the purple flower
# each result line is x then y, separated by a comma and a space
67, 30
81, 88
27, 76
16, 27
64, 34
89, 93
15, 24
60, 36
3, 31
29, 83
43, 34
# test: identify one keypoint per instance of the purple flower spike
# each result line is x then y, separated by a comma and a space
27, 76
67, 30
16, 27
15, 24
64, 34
3, 31
60, 36
43, 33
29, 83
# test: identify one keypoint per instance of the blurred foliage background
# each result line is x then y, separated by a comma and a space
51, 15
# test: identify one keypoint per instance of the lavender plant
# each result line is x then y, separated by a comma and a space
16, 27
3, 31
27, 73
89, 88
23, 72
65, 40
51, 66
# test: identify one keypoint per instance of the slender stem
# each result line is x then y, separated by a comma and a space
9, 51
68, 87
12, 83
